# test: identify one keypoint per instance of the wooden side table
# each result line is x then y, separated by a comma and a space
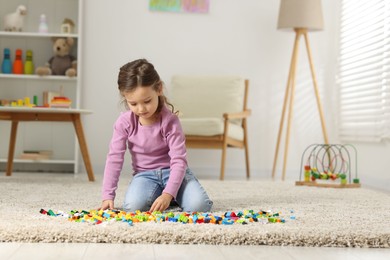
18, 114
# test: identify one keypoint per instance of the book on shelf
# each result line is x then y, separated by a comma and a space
36, 155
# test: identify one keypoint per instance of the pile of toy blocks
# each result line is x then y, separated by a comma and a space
228, 218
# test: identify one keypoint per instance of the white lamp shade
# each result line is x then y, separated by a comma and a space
300, 14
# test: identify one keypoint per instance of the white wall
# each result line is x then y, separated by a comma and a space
236, 37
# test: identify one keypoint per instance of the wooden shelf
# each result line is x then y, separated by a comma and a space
44, 110
36, 34
52, 161
37, 77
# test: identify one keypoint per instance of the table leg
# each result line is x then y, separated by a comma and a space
11, 149
83, 146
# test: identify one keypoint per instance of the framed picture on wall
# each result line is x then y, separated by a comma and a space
180, 6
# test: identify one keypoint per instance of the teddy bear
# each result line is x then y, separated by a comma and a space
62, 63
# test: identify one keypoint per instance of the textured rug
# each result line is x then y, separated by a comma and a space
325, 217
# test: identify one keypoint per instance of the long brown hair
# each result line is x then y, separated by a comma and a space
141, 73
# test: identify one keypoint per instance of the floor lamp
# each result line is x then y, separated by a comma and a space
301, 16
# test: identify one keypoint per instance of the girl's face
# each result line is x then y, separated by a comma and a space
143, 101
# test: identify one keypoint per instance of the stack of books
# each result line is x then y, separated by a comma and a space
36, 155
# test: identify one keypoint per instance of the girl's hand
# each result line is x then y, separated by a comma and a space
161, 203
107, 204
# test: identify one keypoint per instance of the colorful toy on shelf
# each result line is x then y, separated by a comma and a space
21, 103
67, 26
13, 22
43, 27
62, 63
17, 67
6, 65
60, 102
48, 96
5, 102
329, 165
35, 100
29, 65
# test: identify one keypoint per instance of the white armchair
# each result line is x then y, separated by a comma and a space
213, 112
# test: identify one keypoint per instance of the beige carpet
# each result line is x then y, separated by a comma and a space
324, 217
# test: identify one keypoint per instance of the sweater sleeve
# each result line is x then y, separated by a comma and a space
177, 152
115, 157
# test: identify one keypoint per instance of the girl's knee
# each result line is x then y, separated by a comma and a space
198, 206
132, 206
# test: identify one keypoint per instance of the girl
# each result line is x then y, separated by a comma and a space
155, 139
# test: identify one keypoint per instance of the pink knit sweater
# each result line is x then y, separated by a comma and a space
157, 146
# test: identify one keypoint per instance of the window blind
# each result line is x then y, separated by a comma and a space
364, 70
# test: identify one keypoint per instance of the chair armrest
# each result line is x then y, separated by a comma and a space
240, 115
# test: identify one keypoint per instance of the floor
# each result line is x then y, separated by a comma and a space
41, 251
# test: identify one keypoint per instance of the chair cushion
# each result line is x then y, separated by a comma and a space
207, 96
202, 101
210, 127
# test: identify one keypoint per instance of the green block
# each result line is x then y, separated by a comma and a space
51, 213
272, 220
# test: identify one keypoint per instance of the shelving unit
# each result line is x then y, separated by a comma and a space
57, 137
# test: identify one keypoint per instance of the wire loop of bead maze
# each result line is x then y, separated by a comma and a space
329, 165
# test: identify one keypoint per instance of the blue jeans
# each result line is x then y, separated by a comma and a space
146, 187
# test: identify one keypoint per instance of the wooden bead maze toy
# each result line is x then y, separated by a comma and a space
329, 165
